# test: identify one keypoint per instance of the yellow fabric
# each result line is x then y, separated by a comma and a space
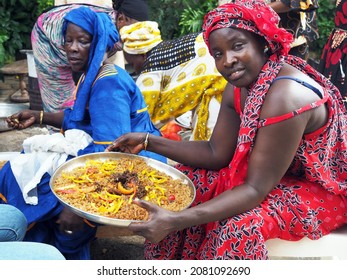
303, 20
102, 142
203, 132
193, 94
3, 198
140, 37
305, 5
188, 86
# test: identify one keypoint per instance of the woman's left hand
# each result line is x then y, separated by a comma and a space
69, 222
158, 225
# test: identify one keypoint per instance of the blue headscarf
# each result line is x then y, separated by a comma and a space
105, 36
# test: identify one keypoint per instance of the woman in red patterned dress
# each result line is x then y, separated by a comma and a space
275, 164
333, 62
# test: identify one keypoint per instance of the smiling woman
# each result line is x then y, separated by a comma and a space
246, 46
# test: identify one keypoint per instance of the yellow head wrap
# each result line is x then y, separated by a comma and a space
140, 37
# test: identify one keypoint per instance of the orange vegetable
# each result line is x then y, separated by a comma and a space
171, 126
172, 136
124, 190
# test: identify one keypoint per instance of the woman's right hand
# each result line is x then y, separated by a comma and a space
23, 119
132, 143
159, 225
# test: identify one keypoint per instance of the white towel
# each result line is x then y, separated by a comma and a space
45, 153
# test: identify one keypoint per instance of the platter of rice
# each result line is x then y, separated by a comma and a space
101, 187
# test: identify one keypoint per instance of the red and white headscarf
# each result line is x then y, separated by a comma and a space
251, 15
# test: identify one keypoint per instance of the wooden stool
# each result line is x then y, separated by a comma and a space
20, 69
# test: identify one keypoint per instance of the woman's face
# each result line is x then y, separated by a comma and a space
77, 47
239, 55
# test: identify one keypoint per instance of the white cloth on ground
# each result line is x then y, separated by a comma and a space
45, 153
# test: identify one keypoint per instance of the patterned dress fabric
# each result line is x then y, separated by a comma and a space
310, 200
333, 63
179, 76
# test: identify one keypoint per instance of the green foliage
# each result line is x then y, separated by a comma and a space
16, 21
178, 17
192, 16
3, 38
325, 22
167, 14
42, 5
17, 18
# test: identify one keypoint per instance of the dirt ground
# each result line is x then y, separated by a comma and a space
11, 141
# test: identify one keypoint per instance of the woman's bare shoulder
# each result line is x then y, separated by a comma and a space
286, 94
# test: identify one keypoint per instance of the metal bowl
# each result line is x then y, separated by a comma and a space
81, 160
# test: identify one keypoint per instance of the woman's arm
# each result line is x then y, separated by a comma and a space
53, 119
213, 154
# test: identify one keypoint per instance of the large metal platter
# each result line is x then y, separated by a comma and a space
81, 160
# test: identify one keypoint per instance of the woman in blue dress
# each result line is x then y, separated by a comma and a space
107, 104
